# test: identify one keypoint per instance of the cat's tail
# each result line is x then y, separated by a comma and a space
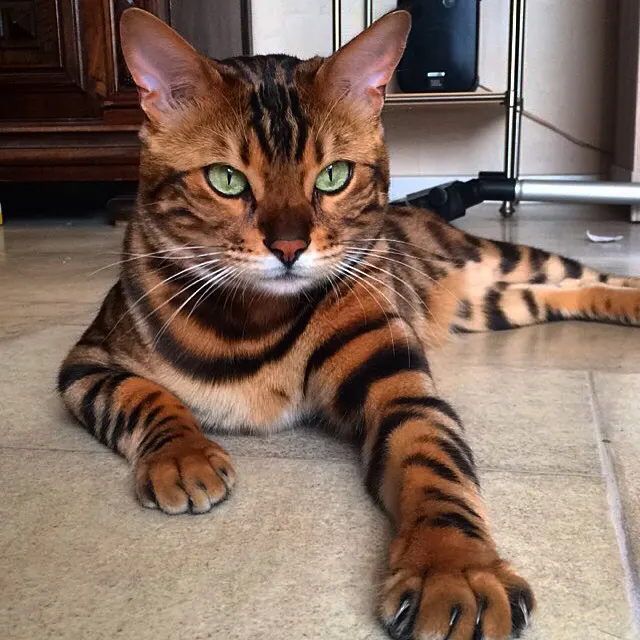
510, 286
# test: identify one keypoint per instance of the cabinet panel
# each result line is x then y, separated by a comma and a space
68, 106
29, 35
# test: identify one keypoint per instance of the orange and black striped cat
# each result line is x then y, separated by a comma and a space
266, 280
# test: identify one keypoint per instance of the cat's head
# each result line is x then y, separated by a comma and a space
274, 167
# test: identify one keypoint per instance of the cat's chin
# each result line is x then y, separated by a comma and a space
286, 285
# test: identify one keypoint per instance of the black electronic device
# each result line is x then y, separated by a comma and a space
442, 49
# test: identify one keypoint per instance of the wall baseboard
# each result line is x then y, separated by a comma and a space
401, 186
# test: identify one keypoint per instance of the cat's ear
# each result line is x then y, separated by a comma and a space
364, 66
167, 70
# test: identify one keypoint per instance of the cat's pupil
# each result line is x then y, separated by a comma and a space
330, 172
229, 175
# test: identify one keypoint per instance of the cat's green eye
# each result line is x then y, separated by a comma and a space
226, 180
334, 177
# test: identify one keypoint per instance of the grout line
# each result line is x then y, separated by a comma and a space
616, 509
352, 459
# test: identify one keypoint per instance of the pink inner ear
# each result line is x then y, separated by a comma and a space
364, 66
162, 64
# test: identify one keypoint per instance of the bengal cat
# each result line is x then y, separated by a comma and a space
265, 280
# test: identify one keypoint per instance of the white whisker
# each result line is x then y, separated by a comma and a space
220, 276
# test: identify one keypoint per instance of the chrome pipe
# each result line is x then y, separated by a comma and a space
623, 193
336, 9
515, 87
368, 13
444, 98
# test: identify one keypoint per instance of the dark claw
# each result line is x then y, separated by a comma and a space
478, 633
521, 606
151, 492
456, 612
401, 627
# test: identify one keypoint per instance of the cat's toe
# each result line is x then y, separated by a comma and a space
186, 476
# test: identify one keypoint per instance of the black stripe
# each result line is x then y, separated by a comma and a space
572, 269
472, 250
173, 179
531, 303
70, 374
604, 278
134, 417
458, 459
338, 341
456, 328
432, 271
301, 121
540, 278
151, 417
440, 469
105, 423
436, 230
109, 389
372, 206
465, 309
456, 521
496, 319
510, 256
118, 428
244, 150
224, 369
428, 402
156, 442
164, 421
553, 315
256, 123
376, 466
431, 493
538, 259
452, 435
319, 150
87, 408
382, 364
275, 99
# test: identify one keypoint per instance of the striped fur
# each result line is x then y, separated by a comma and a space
204, 330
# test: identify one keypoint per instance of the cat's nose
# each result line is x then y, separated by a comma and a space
287, 251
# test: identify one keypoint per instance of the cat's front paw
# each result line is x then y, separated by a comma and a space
462, 604
187, 475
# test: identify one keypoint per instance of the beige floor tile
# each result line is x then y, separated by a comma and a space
565, 236
523, 420
511, 414
54, 278
20, 318
619, 399
558, 532
296, 552
562, 345
84, 239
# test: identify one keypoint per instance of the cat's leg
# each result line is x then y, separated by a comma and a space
506, 306
177, 469
445, 578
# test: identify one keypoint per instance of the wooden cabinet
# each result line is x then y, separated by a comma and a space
68, 107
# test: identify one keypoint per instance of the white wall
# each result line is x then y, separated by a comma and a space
570, 72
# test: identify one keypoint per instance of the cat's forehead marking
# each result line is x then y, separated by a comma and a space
275, 111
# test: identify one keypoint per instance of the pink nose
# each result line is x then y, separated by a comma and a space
288, 251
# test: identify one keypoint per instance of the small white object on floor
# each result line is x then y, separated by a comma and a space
595, 238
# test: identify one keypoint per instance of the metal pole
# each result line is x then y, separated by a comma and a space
513, 102
337, 24
624, 193
368, 13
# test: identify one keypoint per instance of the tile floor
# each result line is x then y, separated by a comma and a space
553, 413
